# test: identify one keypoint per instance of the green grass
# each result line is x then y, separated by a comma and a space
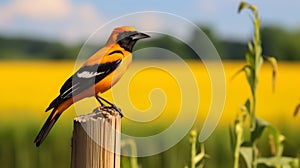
17, 149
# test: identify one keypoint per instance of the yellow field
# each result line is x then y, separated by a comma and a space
28, 87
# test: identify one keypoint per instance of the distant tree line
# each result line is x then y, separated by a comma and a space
277, 42
23, 48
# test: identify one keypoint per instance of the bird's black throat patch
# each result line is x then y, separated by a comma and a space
125, 40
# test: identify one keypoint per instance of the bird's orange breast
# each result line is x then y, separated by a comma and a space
114, 77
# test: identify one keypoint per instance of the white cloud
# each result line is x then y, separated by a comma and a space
83, 21
66, 20
34, 9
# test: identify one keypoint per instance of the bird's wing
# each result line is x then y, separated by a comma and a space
86, 77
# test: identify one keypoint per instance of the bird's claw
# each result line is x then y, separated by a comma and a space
117, 109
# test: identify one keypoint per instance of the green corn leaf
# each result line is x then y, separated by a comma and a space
284, 162
259, 64
246, 154
260, 126
242, 6
247, 106
249, 75
277, 139
250, 47
247, 69
252, 8
250, 59
274, 65
232, 138
238, 72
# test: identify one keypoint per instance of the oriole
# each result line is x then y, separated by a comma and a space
99, 73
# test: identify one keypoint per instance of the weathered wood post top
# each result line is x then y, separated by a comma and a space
96, 139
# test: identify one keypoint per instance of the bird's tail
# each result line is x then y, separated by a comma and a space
47, 127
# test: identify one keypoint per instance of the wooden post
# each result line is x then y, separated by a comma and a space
96, 139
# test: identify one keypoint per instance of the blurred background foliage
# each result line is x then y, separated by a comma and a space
276, 41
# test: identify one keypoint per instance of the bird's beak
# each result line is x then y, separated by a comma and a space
139, 36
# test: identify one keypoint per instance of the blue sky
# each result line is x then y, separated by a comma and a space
73, 21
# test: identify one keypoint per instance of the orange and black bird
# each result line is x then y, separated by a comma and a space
98, 74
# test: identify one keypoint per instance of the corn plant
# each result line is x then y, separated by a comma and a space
196, 158
129, 146
248, 128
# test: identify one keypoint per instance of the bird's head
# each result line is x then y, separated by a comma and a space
126, 37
